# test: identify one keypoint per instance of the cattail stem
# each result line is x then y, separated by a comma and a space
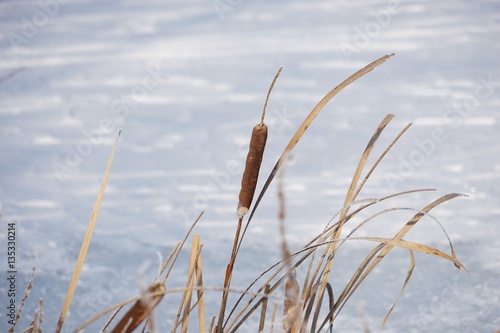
268, 94
248, 185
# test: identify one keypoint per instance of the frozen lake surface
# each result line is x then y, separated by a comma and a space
186, 82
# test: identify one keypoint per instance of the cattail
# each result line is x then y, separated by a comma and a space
141, 309
252, 168
291, 303
254, 159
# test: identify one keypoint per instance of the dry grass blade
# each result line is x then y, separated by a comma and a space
141, 310
86, 241
380, 251
331, 302
361, 165
35, 326
377, 162
408, 276
309, 298
393, 242
329, 251
178, 249
195, 254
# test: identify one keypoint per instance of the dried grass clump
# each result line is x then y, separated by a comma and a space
308, 303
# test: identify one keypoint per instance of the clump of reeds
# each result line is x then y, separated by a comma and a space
308, 303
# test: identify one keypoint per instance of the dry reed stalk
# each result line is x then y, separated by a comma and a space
262, 321
86, 241
141, 310
35, 326
24, 299
195, 254
211, 326
273, 317
200, 295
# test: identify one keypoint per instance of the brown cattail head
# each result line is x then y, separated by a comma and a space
141, 309
252, 167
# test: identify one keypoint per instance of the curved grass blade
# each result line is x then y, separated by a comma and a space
408, 276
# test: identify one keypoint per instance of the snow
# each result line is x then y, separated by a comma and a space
186, 82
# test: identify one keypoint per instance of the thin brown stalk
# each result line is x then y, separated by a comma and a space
227, 279
269, 94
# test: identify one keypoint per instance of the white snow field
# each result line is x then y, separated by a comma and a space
186, 82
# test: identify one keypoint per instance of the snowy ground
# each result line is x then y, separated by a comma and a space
186, 81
